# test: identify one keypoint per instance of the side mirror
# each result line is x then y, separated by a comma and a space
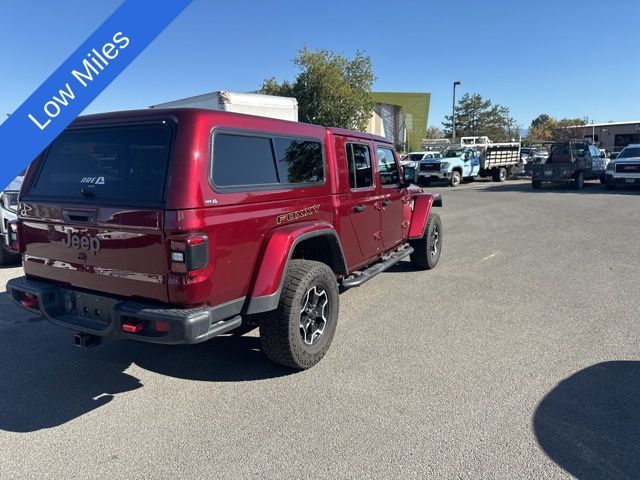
408, 176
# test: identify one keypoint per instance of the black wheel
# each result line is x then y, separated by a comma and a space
456, 178
298, 333
8, 258
537, 184
500, 175
578, 181
428, 248
610, 186
603, 179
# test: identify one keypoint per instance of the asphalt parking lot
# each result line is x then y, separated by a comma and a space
517, 357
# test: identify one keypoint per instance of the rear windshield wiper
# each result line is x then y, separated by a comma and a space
86, 193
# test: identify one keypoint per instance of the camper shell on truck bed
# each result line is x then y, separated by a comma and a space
176, 225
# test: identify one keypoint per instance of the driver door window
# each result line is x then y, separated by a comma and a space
389, 173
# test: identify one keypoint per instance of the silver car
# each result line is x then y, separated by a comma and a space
625, 168
8, 207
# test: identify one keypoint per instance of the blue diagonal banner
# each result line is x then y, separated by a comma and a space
80, 79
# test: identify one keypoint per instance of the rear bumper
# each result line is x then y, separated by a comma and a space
105, 316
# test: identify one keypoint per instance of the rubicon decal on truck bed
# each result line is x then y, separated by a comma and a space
305, 212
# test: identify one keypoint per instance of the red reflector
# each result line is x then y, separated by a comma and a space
162, 327
28, 300
131, 327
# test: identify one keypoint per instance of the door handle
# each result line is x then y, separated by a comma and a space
359, 208
386, 202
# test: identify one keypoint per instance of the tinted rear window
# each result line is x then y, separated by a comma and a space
299, 161
125, 164
242, 161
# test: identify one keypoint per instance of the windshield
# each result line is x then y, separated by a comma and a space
414, 157
117, 164
453, 152
630, 152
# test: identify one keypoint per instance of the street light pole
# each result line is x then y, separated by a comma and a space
453, 110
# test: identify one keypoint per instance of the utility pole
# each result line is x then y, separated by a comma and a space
453, 110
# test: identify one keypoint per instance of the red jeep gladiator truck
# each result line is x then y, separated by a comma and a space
174, 226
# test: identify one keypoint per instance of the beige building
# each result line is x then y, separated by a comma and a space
613, 136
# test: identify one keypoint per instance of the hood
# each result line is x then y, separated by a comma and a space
15, 184
626, 160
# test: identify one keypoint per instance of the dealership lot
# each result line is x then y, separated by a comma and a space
517, 357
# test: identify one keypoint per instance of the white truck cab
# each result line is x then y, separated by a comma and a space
625, 168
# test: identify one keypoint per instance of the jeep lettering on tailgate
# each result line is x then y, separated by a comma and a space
82, 242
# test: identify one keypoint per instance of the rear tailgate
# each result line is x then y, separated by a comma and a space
105, 249
92, 215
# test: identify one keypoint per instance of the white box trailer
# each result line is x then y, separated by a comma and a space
283, 108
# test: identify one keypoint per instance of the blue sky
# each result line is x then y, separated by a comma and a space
563, 57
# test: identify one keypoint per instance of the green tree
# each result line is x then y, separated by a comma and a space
546, 128
331, 89
476, 116
541, 128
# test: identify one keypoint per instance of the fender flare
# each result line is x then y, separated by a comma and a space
421, 209
279, 246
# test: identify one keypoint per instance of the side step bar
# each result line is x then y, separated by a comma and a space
375, 269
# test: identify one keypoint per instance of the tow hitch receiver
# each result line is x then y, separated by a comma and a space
86, 340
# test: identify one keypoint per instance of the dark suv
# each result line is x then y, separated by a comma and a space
174, 226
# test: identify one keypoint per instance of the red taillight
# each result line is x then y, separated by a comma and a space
189, 255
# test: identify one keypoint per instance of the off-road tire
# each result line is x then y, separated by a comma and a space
610, 186
536, 184
578, 181
423, 257
455, 179
280, 332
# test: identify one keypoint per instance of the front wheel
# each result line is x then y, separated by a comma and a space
578, 181
299, 332
428, 248
536, 184
456, 178
610, 186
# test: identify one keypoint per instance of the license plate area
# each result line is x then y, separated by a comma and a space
86, 305
630, 180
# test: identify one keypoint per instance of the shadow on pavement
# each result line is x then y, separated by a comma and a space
589, 424
46, 382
